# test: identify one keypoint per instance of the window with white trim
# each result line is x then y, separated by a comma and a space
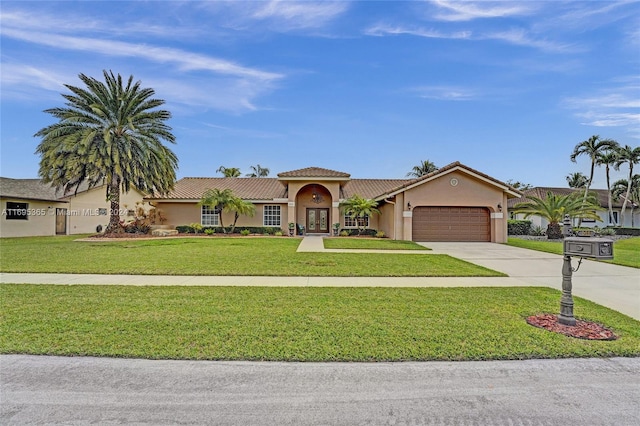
271, 216
352, 222
209, 216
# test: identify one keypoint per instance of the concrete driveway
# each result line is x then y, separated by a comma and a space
617, 287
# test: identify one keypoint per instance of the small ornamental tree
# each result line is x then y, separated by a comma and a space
358, 208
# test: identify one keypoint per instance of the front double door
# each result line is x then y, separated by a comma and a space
317, 221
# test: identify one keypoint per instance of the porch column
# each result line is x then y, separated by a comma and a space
335, 214
291, 213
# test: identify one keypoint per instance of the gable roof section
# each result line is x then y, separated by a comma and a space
28, 189
456, 166
190, 188
370, 188
314, 172
541, 192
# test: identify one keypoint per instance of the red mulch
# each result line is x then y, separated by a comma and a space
582, 330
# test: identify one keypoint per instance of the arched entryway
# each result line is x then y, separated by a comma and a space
313, 208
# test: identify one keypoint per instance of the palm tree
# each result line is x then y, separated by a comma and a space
577, 180
630, 156
591, 148
240, 207
229, 171
620, 187
218, 199
555, 207
109, 133
608, 158
359, 208
424, 168
258, 171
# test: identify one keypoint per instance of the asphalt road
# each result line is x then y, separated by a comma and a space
57, 390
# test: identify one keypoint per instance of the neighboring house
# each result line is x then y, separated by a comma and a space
32, 208
605, 220
454, 203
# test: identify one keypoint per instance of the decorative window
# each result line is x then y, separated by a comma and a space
17, 211
614, 219
271, 216
209, 216
352, 222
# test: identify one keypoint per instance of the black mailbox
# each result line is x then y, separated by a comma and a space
593, 248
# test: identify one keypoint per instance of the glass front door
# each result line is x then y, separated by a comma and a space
318, 220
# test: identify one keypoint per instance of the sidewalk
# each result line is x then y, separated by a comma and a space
616, 287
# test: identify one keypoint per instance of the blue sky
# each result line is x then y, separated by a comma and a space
368, 88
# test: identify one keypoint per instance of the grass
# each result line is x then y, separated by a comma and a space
626, 252
266, 256
297, 324
370, 244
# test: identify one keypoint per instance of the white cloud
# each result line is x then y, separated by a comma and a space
469, 10
445, 93
183, 59
384, 29
295, 15
616, 106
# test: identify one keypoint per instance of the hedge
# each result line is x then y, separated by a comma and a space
518, 227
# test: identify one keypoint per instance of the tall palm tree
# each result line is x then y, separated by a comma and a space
591, 148
424, 168
607, 159
359, 208
630, 156
229, 171
258, 171
218, 199
555, 207
577, 180
109, 132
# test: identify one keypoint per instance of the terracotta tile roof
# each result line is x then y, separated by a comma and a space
541, 192
371, 188
191, 188
31, 189
314, 172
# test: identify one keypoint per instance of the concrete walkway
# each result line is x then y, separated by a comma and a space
616, 287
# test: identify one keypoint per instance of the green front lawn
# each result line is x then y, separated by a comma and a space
268, 256
370, 244
626, 252
297, 324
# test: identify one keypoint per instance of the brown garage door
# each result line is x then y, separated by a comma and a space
451, 224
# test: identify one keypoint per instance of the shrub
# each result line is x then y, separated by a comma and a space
184, 229
628, 231
278, 234
344, 233
518, 227
380, 234
197, 228
609, 232
209, 231
537, 231
245, 232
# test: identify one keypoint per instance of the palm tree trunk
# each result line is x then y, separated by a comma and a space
609, 197
586, 188
114, 226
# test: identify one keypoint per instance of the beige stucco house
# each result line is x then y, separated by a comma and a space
31, 208
454, 203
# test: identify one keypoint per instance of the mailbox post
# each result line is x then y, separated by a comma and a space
590, 248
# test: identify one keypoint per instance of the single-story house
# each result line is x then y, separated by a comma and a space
454, 203
632, 213
32, 208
